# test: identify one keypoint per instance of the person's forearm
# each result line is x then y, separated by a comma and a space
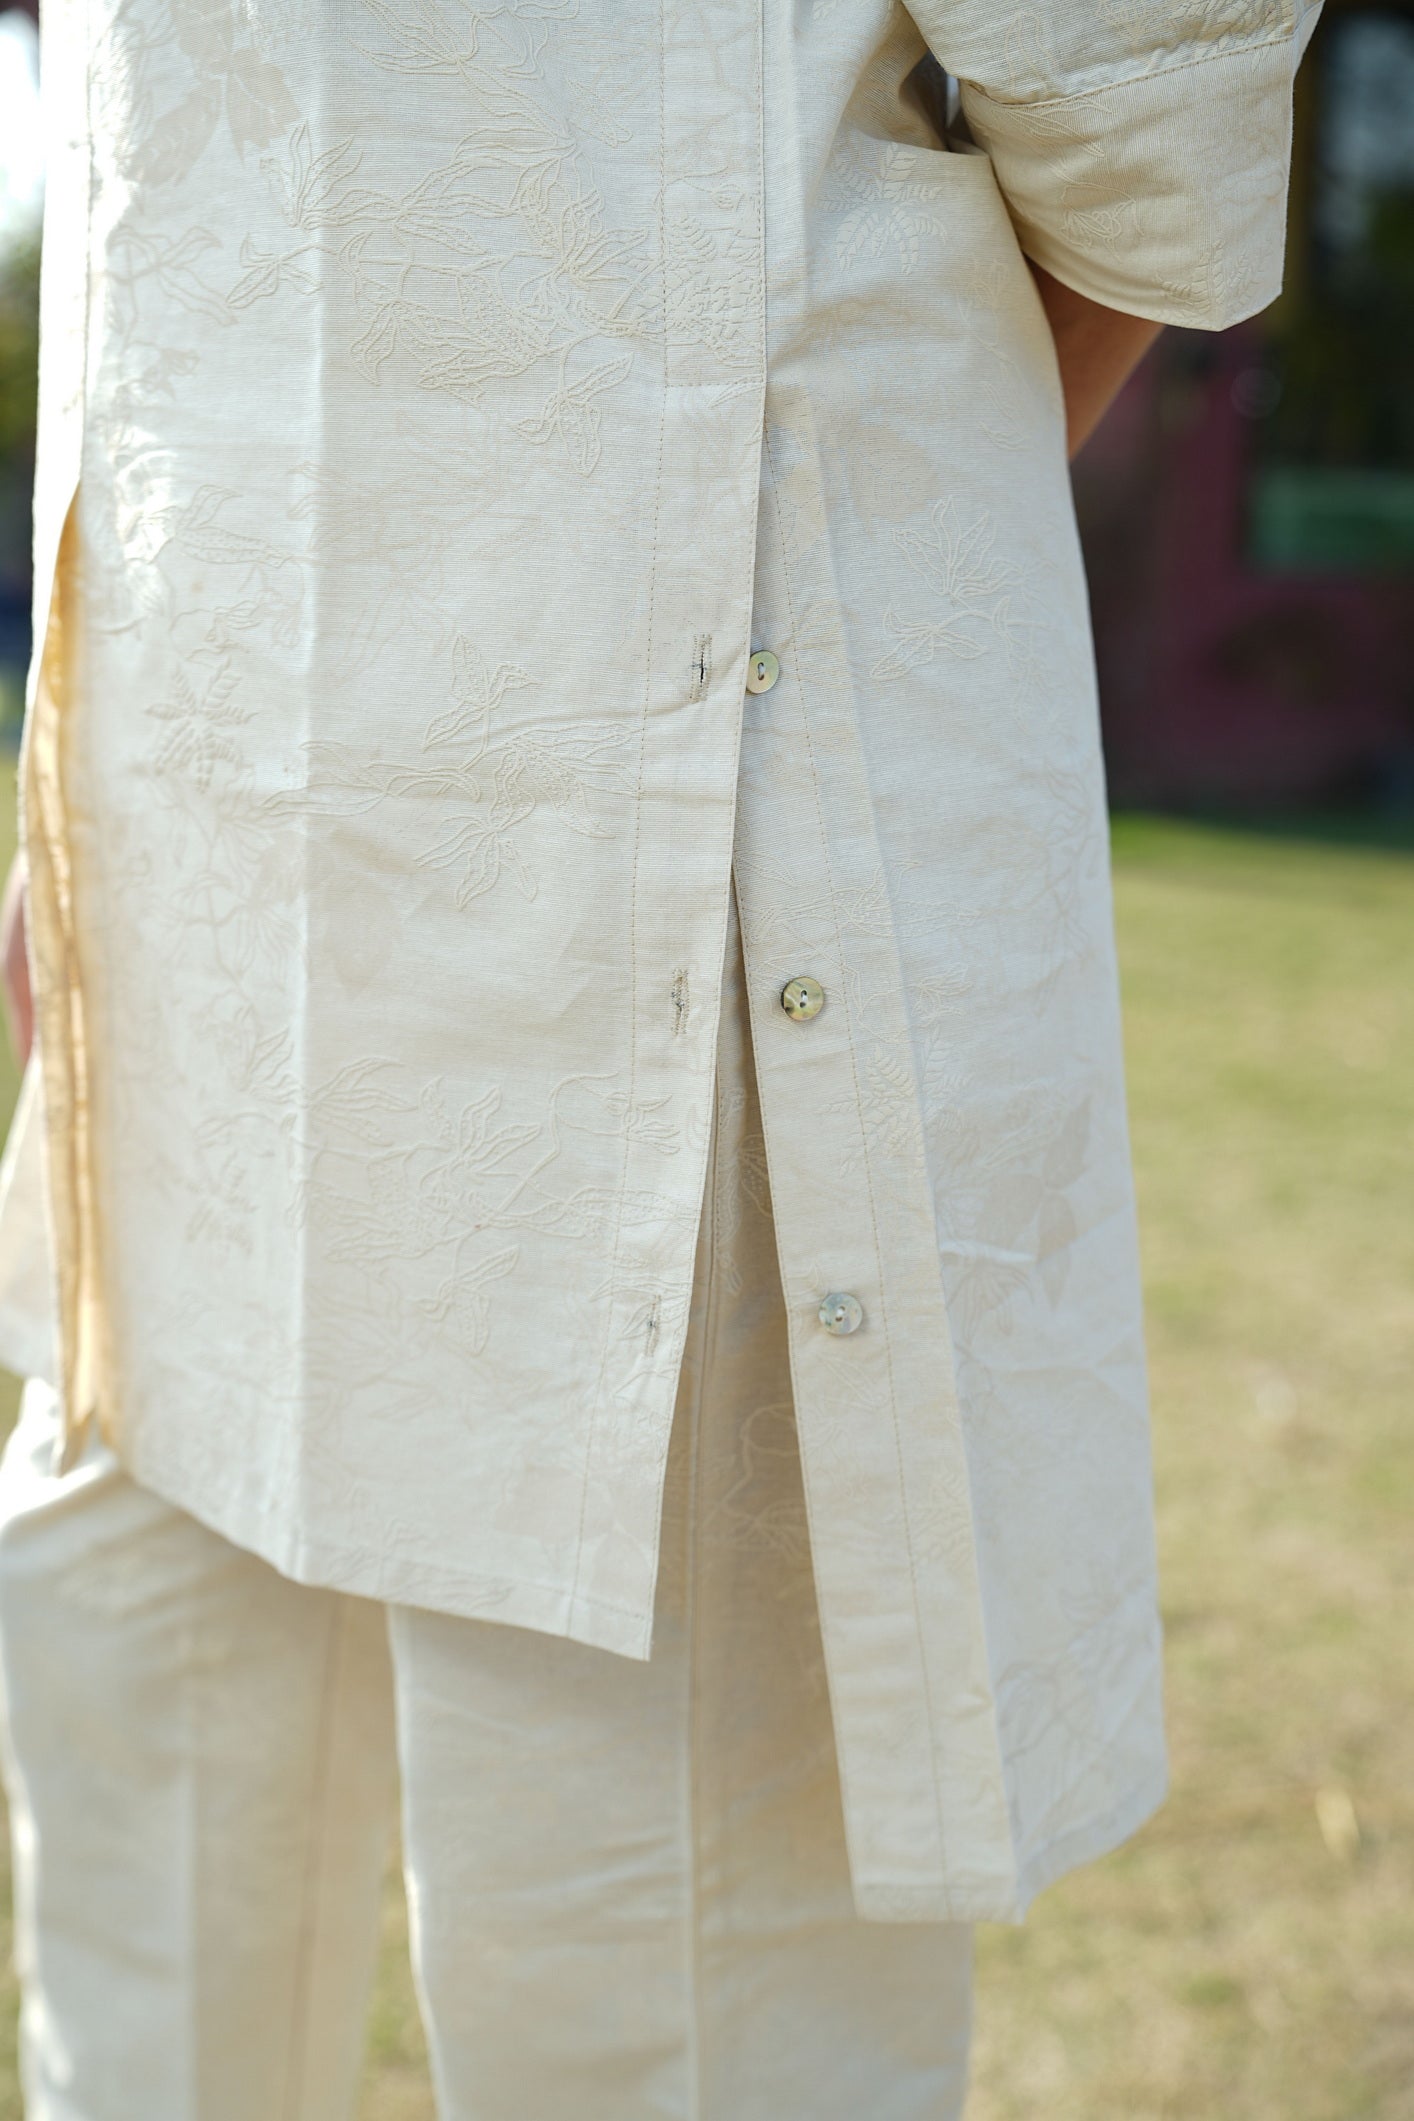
1097, 349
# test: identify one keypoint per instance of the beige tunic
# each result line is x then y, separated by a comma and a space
628, 1884
454, 396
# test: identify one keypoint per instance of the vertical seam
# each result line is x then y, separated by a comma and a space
692, 1629
634, 1024
404, 1648
311, 1880
873, 1210
191, 1808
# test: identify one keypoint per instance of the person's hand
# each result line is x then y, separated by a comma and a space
1096, 348
14, 962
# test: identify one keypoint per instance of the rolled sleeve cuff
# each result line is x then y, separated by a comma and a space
1163, 195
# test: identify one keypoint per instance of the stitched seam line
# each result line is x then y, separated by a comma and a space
869, 1186
749, 574
1154, 73
300, 1559
306, 1932
197, 1960
693, 1941
634, 1033
842, 1768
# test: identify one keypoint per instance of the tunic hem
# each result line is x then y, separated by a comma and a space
466, 1595
886, 1900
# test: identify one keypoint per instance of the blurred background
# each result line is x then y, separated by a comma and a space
1248, 516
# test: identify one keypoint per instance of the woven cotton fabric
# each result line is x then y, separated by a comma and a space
440, 403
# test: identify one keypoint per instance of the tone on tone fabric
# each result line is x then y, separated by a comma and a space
628, 1885
440, 405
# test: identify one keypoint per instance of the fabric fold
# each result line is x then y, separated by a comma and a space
1165, 195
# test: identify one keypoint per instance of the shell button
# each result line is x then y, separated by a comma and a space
840, 1313
762, 670
802, 997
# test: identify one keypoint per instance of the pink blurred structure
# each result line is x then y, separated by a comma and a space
1225, 681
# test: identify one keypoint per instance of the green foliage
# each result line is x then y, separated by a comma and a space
1250, 1957
19, 348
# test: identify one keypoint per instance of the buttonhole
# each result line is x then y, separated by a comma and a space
701, 666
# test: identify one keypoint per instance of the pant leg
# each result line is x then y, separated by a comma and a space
629, 1886
805, 2012
201, 1772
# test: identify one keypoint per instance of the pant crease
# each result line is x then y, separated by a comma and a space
190, 1972
691, 1626
307, 1927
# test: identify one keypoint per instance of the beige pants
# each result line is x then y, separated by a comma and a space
627, 1882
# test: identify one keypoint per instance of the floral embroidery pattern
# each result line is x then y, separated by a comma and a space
970, 580
453, 392
485, 788
498, 261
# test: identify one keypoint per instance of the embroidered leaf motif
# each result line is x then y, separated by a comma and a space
376, 346
461, 1304
494, 262
175, 143
317, 191
170, 265
571, 412
888, 207
236, 80
959, 563
478, 691
258, 103
352, 1097
484, 793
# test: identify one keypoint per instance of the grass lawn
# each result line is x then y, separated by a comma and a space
1250, 1957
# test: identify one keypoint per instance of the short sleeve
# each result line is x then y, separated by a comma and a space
1143, 150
